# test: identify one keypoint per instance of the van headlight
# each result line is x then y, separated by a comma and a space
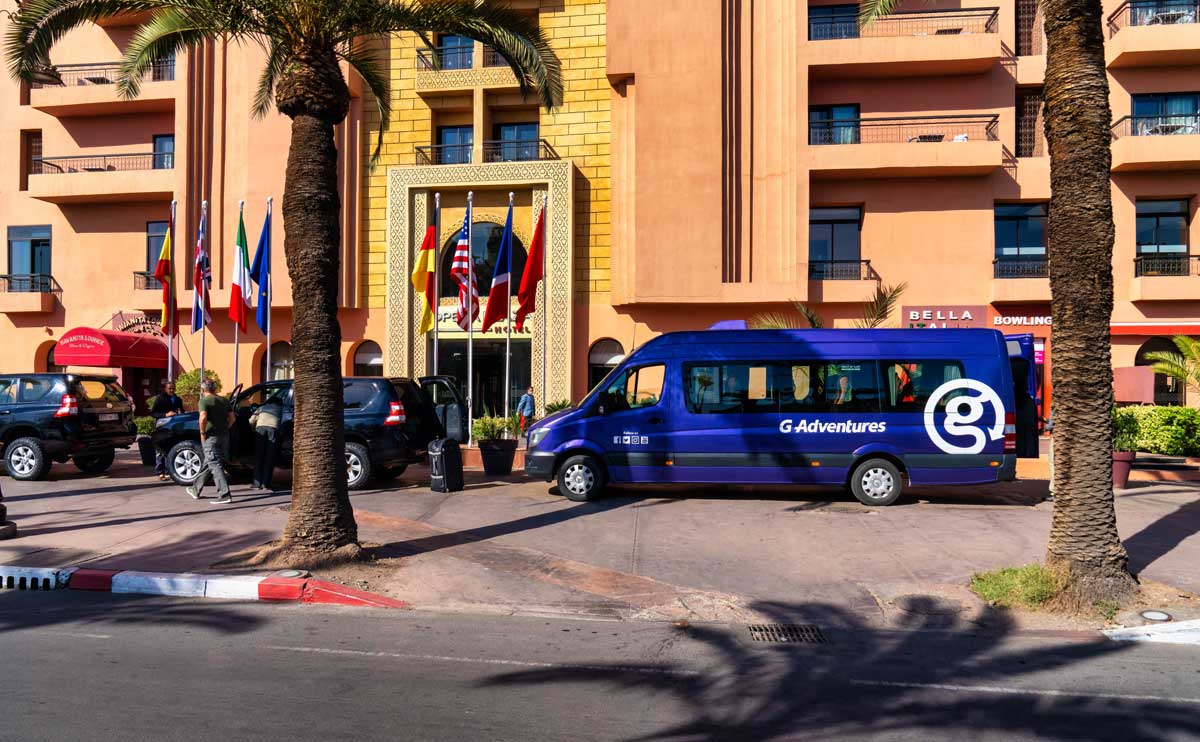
536, 436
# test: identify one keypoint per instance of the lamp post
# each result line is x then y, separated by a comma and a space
7, 529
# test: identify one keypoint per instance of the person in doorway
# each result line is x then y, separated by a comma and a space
216, 417
166, 404
526, 408
265, 422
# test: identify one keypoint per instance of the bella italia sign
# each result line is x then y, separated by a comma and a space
945, 316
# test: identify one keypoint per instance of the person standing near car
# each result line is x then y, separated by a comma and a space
216, 417
265, 421
526, 408
166, 404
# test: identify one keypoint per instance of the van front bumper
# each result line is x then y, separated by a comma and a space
1008, 468
539, 465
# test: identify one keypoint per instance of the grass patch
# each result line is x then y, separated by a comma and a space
1107, 608
1030, 586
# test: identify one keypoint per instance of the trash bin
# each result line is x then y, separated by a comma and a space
445, 465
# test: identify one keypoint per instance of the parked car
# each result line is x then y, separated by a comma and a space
47, 418
389, 423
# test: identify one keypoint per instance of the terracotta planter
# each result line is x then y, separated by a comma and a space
498, 456
1122, 465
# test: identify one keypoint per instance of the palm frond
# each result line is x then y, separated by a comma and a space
167, 32
773, 321
879, 308
264, 94
367, 64
870, 11
41, 23
809, 314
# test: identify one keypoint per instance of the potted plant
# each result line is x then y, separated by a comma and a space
1125, 434
497, 446
145, 426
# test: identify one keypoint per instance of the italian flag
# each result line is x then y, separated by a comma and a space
239, 298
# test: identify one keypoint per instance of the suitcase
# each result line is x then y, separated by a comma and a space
445, 465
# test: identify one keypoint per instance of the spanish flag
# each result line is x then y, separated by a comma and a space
165, 274
424, 277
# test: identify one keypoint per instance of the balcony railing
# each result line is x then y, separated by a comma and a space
841, 270
1156, 126
143, 280
446, 58
492, 58
912, 130
444, 154
519, 150
102, 163
29, 283
1154, 13
1166, 265
907, 23
1032, 267
104, 73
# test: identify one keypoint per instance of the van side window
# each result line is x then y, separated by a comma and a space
852, 386
911, 383
636, 387
782, 386
728, 388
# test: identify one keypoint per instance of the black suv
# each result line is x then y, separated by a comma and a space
389, 424
56, 417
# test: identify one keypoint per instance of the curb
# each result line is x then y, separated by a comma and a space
271, 588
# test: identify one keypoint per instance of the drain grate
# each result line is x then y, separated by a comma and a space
781, 633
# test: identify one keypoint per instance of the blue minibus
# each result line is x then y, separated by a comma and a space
865, 409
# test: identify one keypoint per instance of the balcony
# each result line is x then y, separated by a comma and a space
1020, 280
103, 178
90, 90
446, 68
943, 42
930, 145
1149, 143
444, 154
841, 281
1165, 277
1158, 33
522, 150
30, 293
145, 281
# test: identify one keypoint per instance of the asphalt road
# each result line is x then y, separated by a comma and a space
77, 666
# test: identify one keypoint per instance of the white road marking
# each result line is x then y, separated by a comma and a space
77, 635
1024, 691
1175, 632
485, 661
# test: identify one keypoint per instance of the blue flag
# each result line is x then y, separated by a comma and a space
260, 272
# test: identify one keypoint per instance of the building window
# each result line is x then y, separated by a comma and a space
31, 156
1030, 124
1166, 113
485, 251
1162, 238
457, 52
163, 70
281, 363
832, 22
454, 145
833, 124
156, 233
29, 258
1030, 36
1161, 12
164, 151
603, 357
1167, 389
516, 142
368, 359
1020, 241
834, 243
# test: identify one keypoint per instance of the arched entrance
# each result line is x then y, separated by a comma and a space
485, 250
281, 362
603, 357
1167, 390
368, 359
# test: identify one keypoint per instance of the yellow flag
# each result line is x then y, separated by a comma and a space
424, 277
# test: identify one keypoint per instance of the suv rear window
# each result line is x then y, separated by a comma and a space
358, 395
95, 390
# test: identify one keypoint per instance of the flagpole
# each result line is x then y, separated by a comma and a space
236, 327
267, 373
171, 307
508, 320
545, 297
204, 294
437, 299
470, 318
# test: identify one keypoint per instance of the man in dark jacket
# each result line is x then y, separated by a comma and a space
166, 404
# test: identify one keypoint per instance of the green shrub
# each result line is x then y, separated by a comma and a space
559, 406
1027, 587
1167, 431
187, 386
145, 424
491, 428
1125, 429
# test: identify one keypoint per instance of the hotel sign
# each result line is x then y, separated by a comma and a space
447, 325
943, 316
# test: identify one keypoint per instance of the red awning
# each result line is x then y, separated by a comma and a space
85, 346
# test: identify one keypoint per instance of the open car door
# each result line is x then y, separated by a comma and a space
448, 405
1024, 374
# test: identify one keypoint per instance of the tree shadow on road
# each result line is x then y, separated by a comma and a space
872, 683
1162, 536
83, 612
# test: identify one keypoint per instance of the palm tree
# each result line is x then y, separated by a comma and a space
1183, 365
875, 313
305, 43
1084, 546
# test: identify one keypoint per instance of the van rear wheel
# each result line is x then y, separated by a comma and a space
581, 478
876, 482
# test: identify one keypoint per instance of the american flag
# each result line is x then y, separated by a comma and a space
460, 271
201, 277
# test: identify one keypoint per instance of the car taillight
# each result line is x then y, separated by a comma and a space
69, 407
396, 414
1010, 433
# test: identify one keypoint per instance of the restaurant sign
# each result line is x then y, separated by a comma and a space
944, 316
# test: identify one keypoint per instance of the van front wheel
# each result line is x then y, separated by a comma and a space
876, 482
581, 478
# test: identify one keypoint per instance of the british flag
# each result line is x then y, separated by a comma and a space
460, 271
201, 277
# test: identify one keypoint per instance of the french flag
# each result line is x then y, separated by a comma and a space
501, 293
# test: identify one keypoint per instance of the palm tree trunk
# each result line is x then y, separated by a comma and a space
1084, 546
321, 517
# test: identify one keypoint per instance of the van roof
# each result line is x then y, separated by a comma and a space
826, 343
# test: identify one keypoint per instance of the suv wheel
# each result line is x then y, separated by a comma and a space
184, 462
358, 466
581, 478
26, 460
96, 463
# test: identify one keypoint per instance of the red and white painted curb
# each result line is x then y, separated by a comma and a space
272, 587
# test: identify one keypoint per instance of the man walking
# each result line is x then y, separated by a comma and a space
215, 419
166, 404
526, 408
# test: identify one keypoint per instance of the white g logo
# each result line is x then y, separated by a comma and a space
961, 415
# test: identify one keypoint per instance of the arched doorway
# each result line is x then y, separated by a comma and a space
51, 366
485, 250
603, 357
368, 359
281, 363
1167, 390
